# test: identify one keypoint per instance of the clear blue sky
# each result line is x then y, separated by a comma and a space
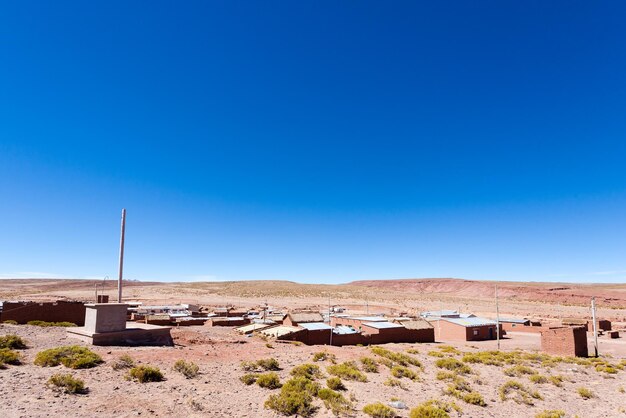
314, 141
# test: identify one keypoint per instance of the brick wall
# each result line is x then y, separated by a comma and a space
565, 341
59, 311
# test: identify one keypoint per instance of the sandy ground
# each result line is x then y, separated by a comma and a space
219, 351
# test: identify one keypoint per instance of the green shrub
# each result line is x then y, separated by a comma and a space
10, 322
309, 371
379, 410
401, 371
144, 374
348, 371
395, 383
493, 358
369, 365
12, 341
538, 378
9, 357
249, 378
268, 364
74, 357
187, 369
123, 362
66, 383
335, 402
268, 380
434, 353
426, 410
519, 370
585, 393
335, 383
453, 365
51, 324
448, 349
295, 397
323, 356
474, 398
399, 358
609, 369
553, 413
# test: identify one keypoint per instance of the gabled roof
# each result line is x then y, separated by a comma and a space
304, 317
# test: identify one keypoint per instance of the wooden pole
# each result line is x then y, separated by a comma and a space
121, 269
595, 328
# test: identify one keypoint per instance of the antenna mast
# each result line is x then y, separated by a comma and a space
119, 279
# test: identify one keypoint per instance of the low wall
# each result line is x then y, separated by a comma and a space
60, 311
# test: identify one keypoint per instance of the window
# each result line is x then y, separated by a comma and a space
475, 332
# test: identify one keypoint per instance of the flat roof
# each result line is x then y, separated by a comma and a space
514, 320
369, 318
252, 327
342, 329
469, 322
315, 326
382, 325
280, 330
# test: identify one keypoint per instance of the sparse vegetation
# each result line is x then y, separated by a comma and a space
335, 402
74, 357
51, 324
66, 383
249, 378
585, 393
395, 383
8, 356
268, 364
449, 349
187, 369
12, 342
335, 383
538, 378
379, 410
401, 371
434, 353
553, 413
268, 380
519, 370
453, 365
412, 351
521, 393
369, 365
434, 409
144, 374
123, 362
295, 397
348, 371
323, 356
397, 358
308, 371
10, 322
556, 380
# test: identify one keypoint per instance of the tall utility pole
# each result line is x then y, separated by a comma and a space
121, 270
497, 318
595, 328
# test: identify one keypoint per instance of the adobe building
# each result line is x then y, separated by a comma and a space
59, 311
293, 319
354, 322
383, 332
315, 333
565, 341
421, 331
226, 321
602, 324
465, 329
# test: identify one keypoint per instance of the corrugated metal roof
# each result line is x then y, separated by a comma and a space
342, 329
514, 320
416, 324
382, 325
315, 326
470, 322
443, 312
246, 329
279, 331
304, 316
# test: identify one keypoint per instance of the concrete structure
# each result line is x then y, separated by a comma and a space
465, 329
565, 341
105, 324
59, 311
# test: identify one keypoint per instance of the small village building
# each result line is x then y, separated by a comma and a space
315, 333
220, 321
383, 332
250, 328
465, 329
421, 330
565, 341
514, 324
282, 332
296, 318
356, 322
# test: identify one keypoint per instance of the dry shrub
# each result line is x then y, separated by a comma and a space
9, 357
379, 410
66, 383
538, 378
335, 402
401, 371
348, 371
335, 383
74, 357
268, 380
123, 362
369, 365
263, 364
395, 383
434, 409
453, 365
249, 378
323, 356
308, 371
12, 342
585, 393
46, 324
144, 374
10, 322
295, 397
187, 369
519, 370
553, 413
398, 358
521, 393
